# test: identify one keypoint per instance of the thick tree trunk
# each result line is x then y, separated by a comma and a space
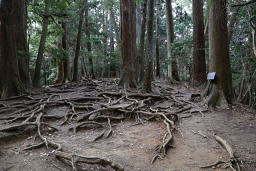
65, 54
10, 83
157, 40
89, 45
172, 67
37, 74
21, 42
142, 40
128, 45
199, 66
149, 48
78, 43
221, 91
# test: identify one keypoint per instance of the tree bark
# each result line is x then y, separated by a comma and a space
65, 53
78, 43
84, 71
219, 54
105, 44
112, 48
21, 43
111, 36
142, 40
10, 83
199, 66
113, 21
172, 67
157, 40
253, 27
128, 43
59, 74
138, 22
37, 74
89, 45
149, 50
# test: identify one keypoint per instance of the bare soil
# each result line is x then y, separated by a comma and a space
132, 144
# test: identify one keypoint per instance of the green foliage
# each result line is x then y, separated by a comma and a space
182, 47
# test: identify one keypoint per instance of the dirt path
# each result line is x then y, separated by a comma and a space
133, 146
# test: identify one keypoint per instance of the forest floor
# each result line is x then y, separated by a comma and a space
122, 129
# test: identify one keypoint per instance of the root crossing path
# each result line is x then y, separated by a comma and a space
96, 125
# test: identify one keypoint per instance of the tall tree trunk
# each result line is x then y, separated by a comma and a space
65, 54
112, 47
84, 71
142, 40
199, 66
111, 36
21, 42
37, 74
138, 32
113, 21
128, 46
138, 22
157, 40
172, 67
149, 47
253, 27
89, 45
78, 42
105, 43
10, 83
221, 91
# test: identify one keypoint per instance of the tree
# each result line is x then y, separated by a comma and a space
128, 43
199, 66
157, 40
21, 43
10, 83
172, 67
89, 45
221, 90
149, 48
113, 22
37, 74
65, 54
59, 73
253, 27
78, 42
142, 41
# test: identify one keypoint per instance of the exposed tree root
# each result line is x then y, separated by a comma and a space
97, 107
162, 149
74, 158
232, 163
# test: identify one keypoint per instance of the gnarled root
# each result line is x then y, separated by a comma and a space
74, 158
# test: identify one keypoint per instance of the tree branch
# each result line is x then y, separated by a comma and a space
243, 4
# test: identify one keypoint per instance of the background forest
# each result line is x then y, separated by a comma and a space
70, 40
120, 84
